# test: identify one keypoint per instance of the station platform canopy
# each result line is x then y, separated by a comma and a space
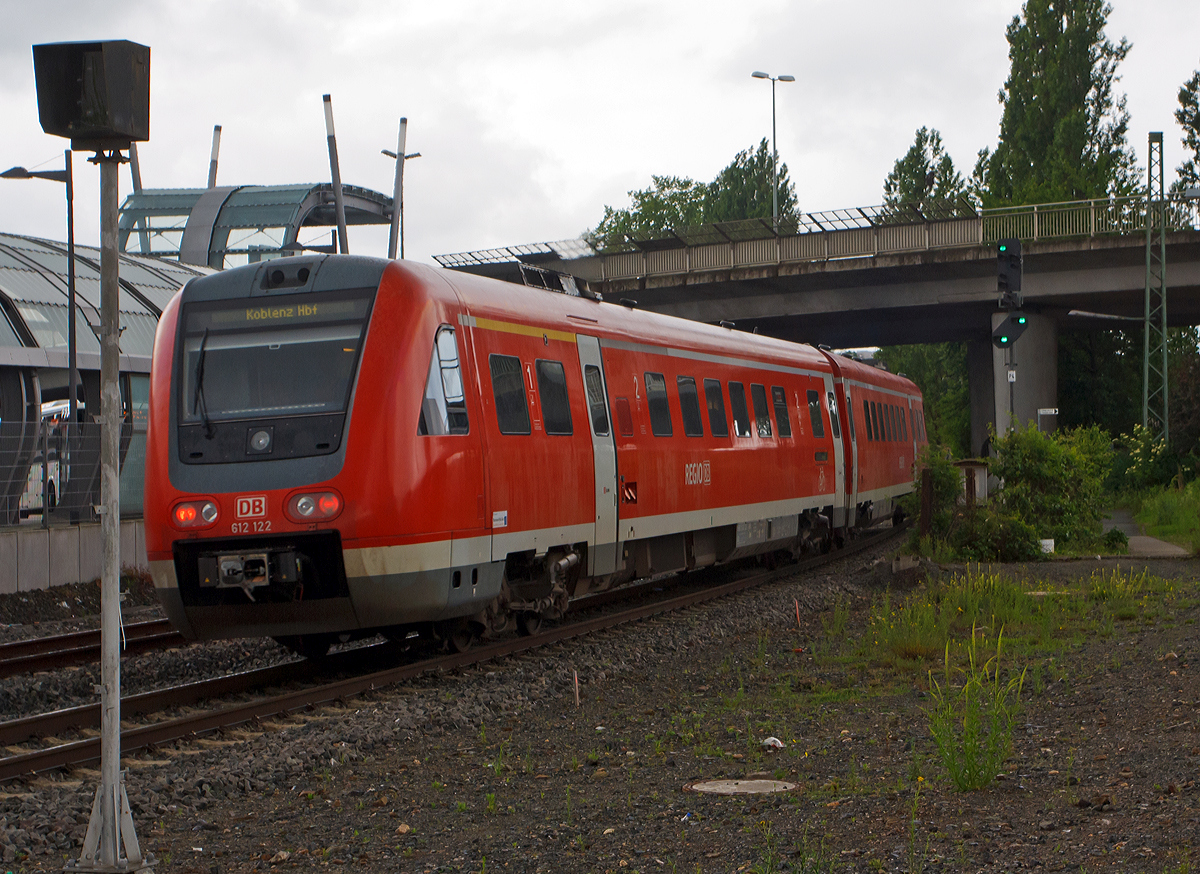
33, 302
229, 226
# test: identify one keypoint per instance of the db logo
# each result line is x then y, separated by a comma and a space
251, 507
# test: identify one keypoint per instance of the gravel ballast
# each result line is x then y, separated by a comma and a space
498, 768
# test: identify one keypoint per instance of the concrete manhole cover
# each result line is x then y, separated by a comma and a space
739, 787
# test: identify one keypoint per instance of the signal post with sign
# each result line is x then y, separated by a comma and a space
1015, 375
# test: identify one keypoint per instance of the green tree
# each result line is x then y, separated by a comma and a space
742, 190
670, 202
1063, 132
1100, 379
1188, 116
925, 177
940, 371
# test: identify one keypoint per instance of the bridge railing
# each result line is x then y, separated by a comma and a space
834, 234
1081, 218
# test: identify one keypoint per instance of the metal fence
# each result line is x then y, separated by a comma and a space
840, 233
51, 470
876, 230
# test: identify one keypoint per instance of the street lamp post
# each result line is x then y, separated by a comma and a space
65, 176
398, 190
758, 74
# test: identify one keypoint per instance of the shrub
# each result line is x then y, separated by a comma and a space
1115, 541
947, 486
1145, 462
990, 534
1054, 484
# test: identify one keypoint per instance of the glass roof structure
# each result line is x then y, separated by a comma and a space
233, 225
33, 301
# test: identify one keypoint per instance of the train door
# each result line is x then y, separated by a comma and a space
839, 456
852, 443
602, 557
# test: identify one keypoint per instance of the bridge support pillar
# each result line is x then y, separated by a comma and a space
983, 404
1025, 376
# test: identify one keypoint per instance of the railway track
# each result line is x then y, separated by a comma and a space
82, 647
27, 763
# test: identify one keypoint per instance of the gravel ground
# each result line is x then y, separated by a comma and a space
498, 768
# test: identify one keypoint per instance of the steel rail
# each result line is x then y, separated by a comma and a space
88, 750
82, 647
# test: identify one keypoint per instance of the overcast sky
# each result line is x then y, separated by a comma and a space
531, 116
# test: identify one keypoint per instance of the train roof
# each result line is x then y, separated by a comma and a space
495, 298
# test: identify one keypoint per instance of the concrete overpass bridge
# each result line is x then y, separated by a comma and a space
875, 276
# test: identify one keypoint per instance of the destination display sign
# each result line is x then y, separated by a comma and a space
278, 313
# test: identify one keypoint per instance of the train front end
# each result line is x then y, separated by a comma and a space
253, 382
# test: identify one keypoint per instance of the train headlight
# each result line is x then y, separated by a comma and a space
194, 514
313, 506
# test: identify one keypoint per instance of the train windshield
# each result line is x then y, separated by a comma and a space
285, 356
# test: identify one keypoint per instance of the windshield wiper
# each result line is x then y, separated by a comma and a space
198, 396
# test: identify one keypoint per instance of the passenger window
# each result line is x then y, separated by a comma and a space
814, 414
660, 408
689, 405
889, 422
552, 390
443, 408
741, 416
717, 423
875, 420
782, 418
508, 387
833, 416
867, 419
758, 395
595, 392
850, 416
894, 421
904, 424
624, 417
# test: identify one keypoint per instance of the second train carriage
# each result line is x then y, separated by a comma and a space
340, 445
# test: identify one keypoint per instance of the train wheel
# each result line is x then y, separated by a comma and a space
310, 646
459, 635
529, 624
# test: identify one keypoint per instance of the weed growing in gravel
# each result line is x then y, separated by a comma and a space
769, 859
972, 725
917, 854
837, 620
497, 765
490, 800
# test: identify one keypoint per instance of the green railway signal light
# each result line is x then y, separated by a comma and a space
1008, 273
1007, 332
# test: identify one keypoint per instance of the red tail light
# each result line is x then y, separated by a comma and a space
313, 506
194, 514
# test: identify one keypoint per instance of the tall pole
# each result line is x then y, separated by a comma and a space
212, 161
110, 513
111, 824
774, 162
398, 195
336, 173
135, 169
758, 74
72, 357
1154, 350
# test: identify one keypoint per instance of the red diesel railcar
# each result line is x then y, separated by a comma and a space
342, 445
